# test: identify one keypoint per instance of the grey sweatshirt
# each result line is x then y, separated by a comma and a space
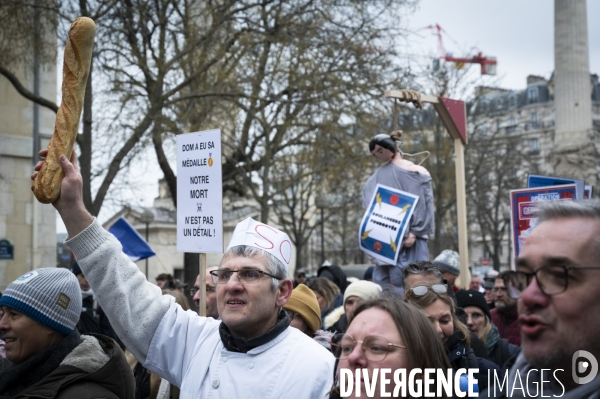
134, 306
416, 183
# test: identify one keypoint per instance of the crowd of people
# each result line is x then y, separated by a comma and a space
103, 331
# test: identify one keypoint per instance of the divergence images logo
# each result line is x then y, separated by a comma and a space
581, 366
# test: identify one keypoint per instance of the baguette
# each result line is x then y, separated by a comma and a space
76, 69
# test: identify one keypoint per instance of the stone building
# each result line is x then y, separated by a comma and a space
29, 227
530, 114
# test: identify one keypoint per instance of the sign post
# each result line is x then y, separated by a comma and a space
200, 198
453, 114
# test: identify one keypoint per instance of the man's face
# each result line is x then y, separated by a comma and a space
489, 296
249, 309
24, 337
475, 318
301, 278
554, 327
503, 300
449, 277
83, 283
211, 294
382, 154
161, 283
420, 279
475, 283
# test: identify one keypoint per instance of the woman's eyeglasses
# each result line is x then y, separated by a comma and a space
421, 290
375, 348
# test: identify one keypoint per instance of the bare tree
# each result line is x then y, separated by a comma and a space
495, 162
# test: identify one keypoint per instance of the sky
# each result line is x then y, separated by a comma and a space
519, 33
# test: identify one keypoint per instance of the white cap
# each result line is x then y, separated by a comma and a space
259, 235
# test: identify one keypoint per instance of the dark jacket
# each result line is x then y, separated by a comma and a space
70, 380
508, 325
462, 357
93, 320
499, 349
340, 326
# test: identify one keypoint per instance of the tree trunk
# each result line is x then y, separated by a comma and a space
85, 147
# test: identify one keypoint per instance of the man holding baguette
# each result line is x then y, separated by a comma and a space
251, 352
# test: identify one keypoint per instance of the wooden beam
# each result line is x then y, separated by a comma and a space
461, 213
401, 95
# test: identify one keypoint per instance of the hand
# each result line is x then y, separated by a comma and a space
69, 204
409, 241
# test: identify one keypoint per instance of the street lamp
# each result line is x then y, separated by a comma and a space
506, 215
147, 217
322, 202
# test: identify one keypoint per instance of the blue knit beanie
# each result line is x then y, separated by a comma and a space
50, 296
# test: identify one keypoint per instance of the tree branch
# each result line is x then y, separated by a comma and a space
26, 93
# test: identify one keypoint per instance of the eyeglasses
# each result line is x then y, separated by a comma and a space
496, 290
209, 288
374, 347
552, 280
248, 276
421, 290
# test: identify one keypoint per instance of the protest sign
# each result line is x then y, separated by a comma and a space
385, 222
199, 192
523, 205
545, 181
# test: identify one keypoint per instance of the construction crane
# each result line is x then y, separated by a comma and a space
488, 64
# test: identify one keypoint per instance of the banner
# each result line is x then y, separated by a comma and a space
199, 192
385, 222
133, 243
523, 206
545, 181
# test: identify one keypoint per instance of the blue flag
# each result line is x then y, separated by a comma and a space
133, 243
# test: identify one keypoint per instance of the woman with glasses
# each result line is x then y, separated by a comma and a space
387, 333
479, 321
438, 306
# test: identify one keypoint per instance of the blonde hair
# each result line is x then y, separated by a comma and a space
424, 301
324, 287
483, 334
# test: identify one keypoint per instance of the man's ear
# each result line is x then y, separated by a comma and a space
284, 291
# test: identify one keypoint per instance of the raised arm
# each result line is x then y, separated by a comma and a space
70, 202
134, 306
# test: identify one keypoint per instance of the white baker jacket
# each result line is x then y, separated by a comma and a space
291, 365
185, 348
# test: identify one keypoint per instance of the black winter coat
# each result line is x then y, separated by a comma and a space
114, 380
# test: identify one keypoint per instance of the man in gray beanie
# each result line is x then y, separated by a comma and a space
449, 264
44, 351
